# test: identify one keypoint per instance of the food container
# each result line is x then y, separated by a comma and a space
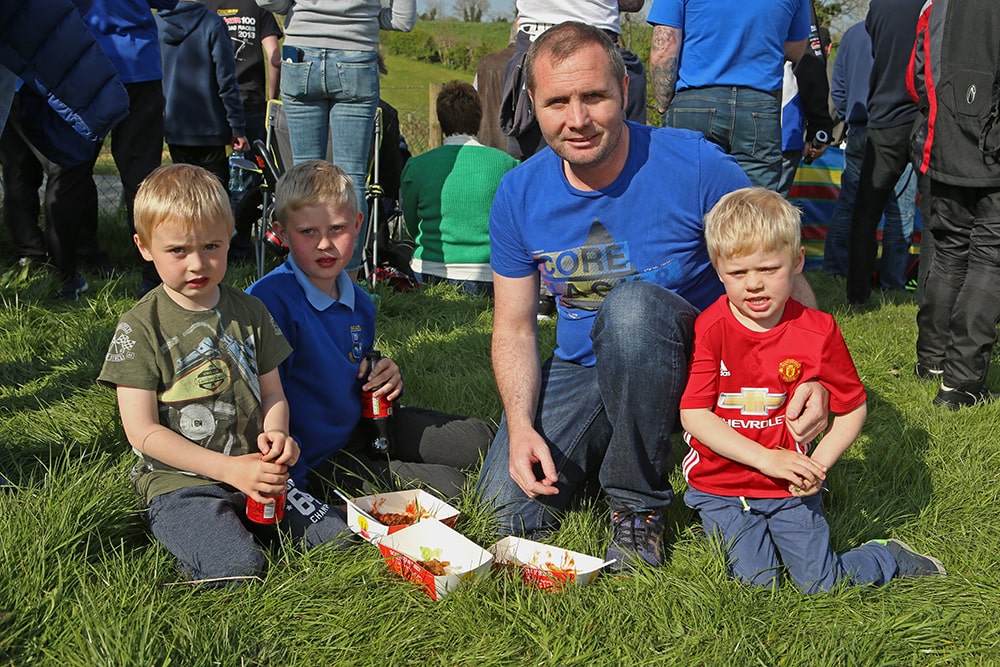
364, 513
547, 567
409, 553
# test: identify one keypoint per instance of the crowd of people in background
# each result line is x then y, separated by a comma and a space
671, 254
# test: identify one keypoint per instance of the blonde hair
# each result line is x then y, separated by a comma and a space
182, 193
750, 220
313, 183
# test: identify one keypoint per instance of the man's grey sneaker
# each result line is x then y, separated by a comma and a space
955, 399
73, 288
911, 564
635, 540
927, 372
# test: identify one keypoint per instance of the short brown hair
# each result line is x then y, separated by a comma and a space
458, 108
749, 220
565, 40
313, 183
182, 193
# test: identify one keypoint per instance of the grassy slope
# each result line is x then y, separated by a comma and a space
81, 581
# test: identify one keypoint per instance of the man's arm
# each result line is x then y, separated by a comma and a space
794, 50
518, 375
664, 61
272, 59
248, 473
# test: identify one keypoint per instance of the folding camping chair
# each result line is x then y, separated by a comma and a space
385, 231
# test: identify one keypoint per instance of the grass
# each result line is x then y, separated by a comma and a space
83, 583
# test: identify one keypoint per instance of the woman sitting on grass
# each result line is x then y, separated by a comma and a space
447, 194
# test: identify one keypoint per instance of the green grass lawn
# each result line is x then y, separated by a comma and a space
83, 583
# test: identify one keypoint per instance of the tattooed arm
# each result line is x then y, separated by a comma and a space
664, 59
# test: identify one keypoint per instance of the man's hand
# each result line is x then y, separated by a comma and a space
525, 452
807, 414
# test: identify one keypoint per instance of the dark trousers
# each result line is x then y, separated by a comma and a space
960, 306
211, 158
887, 152
22, 176
432, 449
71, 197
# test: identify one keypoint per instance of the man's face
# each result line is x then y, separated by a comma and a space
580, 107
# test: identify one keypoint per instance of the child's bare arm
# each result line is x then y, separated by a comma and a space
713, 432
843, 432
275, 443
248, 473
386, 374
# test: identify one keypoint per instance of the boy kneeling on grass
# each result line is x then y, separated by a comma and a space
330, 323
756, 490
195, 364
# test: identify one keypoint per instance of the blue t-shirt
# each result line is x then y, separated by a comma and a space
733, 42
646, 225
329, 338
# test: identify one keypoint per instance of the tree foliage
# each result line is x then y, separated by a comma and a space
470, 11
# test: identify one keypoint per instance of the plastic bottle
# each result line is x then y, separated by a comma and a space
377, 411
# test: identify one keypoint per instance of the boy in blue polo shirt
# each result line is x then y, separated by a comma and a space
330, 323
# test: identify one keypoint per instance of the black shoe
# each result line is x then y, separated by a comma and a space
911, 564
927, 372
72, 288
546, 307
635, 540
955, 399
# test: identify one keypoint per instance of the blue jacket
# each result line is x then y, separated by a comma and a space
126, 31
72, 96
203, 106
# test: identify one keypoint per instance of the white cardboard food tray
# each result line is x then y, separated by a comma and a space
545, 566
359, 510
467, 561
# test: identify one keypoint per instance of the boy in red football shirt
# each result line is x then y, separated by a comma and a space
755, 488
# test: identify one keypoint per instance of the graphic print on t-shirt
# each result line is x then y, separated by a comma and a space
584, 275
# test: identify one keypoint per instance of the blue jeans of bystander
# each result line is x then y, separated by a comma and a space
330, 99
745, 122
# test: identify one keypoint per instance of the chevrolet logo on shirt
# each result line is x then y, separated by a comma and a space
755, 401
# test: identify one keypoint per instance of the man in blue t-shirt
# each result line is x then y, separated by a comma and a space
609, 216
716, 67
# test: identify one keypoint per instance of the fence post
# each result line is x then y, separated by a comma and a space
434, 135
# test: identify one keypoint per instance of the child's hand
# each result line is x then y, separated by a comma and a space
259, 479
802, 492
789, 465
386, 374
278, 447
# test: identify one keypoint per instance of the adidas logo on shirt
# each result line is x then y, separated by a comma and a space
723, 371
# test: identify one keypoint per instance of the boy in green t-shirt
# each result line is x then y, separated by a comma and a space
194, 363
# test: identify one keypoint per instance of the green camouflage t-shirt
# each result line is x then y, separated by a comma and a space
205, 368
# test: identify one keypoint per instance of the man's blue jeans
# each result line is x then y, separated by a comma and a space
897, 229
745, 122
330, 98
612, 420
